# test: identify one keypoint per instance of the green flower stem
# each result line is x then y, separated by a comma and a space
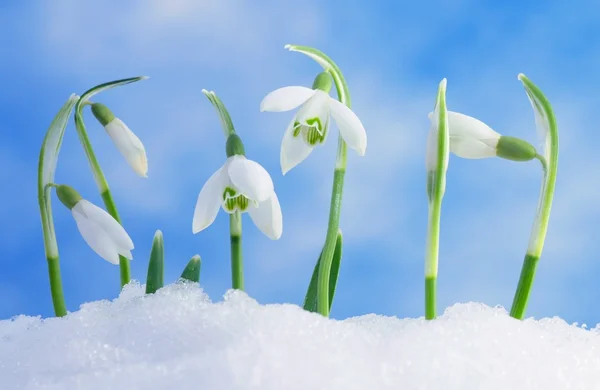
431, 259
237, 264
323, 299
430, 297
546, 120
101, 183
46, 169
234, 146
436, 186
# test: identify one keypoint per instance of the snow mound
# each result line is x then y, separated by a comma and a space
178, 339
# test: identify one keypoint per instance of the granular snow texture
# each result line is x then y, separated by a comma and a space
177, 339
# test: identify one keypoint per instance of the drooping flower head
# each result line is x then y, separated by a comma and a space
98, 228
471, 138
310, 126
239, 185
128, 144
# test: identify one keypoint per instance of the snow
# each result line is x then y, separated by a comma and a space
178, 339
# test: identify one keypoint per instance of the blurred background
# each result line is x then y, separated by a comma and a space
393, 55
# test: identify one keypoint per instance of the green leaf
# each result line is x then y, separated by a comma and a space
87, 95
192, 270
310, 301
155, 279
226, 121
548, 130
47, 168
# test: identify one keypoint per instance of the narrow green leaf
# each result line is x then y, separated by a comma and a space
192, 270
155, 279
226, 121
46, 169
310, 301
87, 95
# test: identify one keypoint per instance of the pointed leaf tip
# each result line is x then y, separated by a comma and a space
155, 277
192, 270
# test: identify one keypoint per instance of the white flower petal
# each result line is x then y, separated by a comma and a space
350, 127
129, 145
286, 98
471, 138
293, 149
250, 178
431, 155
107, 223
96, 238
315, 107
209, 200
267, 217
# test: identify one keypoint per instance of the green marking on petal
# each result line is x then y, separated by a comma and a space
297, 129
232, 201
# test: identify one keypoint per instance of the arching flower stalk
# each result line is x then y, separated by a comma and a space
126, 142
308, 129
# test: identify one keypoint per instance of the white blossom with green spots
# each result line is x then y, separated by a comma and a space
240, 185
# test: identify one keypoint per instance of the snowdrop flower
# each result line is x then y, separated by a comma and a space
98, 228
128, 144
310, 125
473, 139
239, 185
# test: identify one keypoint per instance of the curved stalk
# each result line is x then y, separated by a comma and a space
545, 121
99, 177
326, 259
46, 169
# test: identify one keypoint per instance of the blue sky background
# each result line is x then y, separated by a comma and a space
393, 55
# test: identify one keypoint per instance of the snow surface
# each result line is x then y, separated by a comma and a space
178, 339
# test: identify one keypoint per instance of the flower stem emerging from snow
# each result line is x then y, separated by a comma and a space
156, 266
325, 263
191, 272
438, 148
546, 123
237, 262
46, 169
101, 182
233, 146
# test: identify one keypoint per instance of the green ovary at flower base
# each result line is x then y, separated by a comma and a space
126, 142
309, 128
239, 186
546, 124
